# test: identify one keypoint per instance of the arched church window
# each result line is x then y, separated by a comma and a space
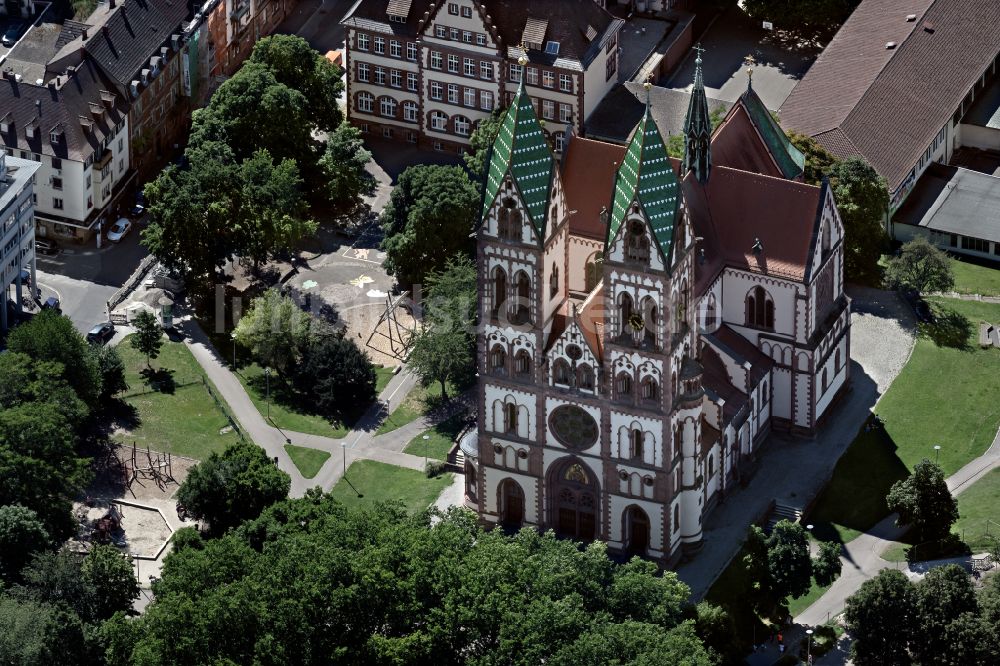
554, 281
561, 372
509, 220
637, 248
635, 443
522, 312
498, 360
760, 309
625, 311
649, 320
499, 290
650, 389
624, 385
711, 466
825, 382
585, 377
826, 240
677, 517
510, 418
522, 363
593, 271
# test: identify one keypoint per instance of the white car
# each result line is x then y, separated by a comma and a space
119, 229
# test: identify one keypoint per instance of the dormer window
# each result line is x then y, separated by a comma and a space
6, 123
534, 32
398, 10
29, 131
552, 48
637, 245
55, 136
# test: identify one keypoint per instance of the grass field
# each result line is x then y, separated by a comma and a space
288, 411
309, 461
173, 411
944, 396
441, 437
973, 278
418, 402
379, 482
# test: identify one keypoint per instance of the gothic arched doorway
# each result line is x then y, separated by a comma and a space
636, 524
510, 503
573, 493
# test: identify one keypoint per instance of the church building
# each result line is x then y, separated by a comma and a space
647, 321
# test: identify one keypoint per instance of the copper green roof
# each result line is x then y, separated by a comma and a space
790, 159
521, 149
646, 175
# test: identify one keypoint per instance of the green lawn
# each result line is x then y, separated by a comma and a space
441, 437
309, 461
288, 411
418, 402
973, 278
379, 482
382, 377
170, 409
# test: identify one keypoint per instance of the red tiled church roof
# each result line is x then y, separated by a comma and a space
588, 177
736, 144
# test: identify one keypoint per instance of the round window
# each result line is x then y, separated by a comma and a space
573, 427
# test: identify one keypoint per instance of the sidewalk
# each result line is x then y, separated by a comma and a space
862, 558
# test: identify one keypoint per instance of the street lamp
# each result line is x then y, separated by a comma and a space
426, 437
233, 336
809, 635
343, 447
267, 384
937, 453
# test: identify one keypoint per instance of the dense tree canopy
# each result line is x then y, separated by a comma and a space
920, 266
814, 18
430, 216
924, 501
228, 488
480, 143
22, 535
863, 201
337, 376
819, 161
313, 582
344, 162
276, 330
882, 619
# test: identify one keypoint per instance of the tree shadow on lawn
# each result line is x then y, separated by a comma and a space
120, 414
283, 393
854, 497
949, 328
159, 380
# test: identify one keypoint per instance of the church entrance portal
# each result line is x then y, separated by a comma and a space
574, 494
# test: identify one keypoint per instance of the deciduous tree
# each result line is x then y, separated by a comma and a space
480, 143
344, 162
826, 566
431, 213
819, 161
236, 485
22, 535
920, 266
112, 369
276, 330
882, 619
108, 574
337, 376
863, 201
924, 501
50, 336
148, 336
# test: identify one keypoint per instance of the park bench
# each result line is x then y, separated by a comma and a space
983, 563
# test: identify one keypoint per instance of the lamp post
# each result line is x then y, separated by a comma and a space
343, 447
937, 453
809, 635
267, 384
426, 437
233, 336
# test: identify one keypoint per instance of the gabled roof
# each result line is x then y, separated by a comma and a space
647, 175
789, 159
889, 103
520, 149
588, 178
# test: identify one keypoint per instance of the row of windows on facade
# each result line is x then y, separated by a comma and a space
388, 108
56, 162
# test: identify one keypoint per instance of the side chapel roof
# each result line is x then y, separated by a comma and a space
647, 175
521, 149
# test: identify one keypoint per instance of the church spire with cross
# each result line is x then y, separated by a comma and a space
698, 127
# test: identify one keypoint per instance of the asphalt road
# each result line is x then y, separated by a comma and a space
318, 23
82, 301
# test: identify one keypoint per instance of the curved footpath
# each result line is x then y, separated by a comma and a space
361, 442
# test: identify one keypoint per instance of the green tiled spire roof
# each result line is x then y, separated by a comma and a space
698, 128
520, 147
790, 159
647, 175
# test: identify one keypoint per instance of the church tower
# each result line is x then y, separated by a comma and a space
698, 128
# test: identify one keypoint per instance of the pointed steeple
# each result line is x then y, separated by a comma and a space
647, 177
521, 150
698, 127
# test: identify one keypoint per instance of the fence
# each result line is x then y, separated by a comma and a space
133, 282
224, 409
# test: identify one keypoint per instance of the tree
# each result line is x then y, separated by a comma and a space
148, 336
944, 595
345, 162
110, 576
788, 560
819, 161
313, 580
826, 566
300, 67
480, 143
233, 486
439, 354
37, 634
112, 369
882, 618
33, 381
924, 501
49, 336
863, 201
276, 330
338, 377
430, 216
22, 535
920, 266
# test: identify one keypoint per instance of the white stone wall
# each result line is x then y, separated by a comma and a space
496, 399
551, 403
653, 510
492, 478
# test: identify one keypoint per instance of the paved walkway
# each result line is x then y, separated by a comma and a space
359, 443
862, 556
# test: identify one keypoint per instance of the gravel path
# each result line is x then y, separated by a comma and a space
883, 332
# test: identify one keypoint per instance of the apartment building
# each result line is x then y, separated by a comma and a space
17, 231
426, 72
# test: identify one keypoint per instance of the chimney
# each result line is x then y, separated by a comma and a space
52, 84
84, 35
111, 4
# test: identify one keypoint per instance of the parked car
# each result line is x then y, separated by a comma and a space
52, 303
12, 33
137, 211
119, 229
45, 247
101, 333
25, 277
